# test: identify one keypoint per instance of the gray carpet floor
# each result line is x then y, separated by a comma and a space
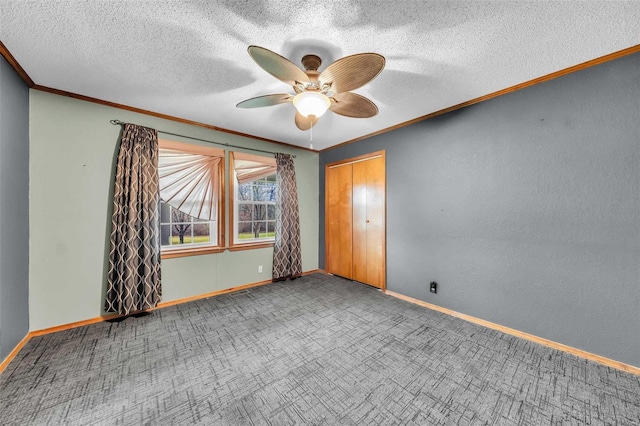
319, 350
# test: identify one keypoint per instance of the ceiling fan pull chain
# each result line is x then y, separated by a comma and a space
310, 133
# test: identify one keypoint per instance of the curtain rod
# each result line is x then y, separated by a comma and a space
120, 123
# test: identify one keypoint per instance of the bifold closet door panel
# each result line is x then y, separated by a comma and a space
376, 223
369, 221
359, 221
339, 208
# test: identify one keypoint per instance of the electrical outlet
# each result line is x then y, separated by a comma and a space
433, 287
259, 269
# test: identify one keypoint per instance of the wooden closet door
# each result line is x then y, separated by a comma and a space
338, 220
369, 221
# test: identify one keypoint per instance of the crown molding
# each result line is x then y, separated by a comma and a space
15, 65
588, 64
553, 75
5, 53
163, 116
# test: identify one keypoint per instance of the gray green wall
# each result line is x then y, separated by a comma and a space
524, 208
73, 150
14, 207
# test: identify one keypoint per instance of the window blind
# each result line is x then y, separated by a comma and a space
189, 177
250, 167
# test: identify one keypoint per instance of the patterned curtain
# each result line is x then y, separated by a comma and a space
287, 259
133, 282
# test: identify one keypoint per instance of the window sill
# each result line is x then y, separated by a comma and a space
193, 251
196, 251
251, 246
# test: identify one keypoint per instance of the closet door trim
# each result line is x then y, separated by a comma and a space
357, 159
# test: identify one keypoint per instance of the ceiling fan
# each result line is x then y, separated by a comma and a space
315, 92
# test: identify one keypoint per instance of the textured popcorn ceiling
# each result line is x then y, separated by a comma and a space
188, 59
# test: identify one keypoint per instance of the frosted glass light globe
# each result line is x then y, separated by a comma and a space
311, 103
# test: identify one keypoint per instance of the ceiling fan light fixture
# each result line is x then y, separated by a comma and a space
315, 92
311, 103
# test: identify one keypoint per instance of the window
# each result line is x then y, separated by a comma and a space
191, 192
256, 202
254, 189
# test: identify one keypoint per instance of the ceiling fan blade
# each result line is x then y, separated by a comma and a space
305, 123
353, 105
353, 71
278, 66
265, 101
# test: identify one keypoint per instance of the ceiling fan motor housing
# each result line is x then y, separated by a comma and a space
311, 62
